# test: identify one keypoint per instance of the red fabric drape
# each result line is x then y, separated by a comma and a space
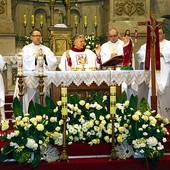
148, 48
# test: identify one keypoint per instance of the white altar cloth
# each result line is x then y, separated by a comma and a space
66, 78
87, 77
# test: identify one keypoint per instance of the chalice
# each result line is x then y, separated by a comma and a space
83, 62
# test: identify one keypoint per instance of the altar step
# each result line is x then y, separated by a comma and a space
8, 106
92, 164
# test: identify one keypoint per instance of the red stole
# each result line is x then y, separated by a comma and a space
127, 57
148, 48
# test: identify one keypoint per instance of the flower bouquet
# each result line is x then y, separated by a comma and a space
90, 41
142, 128
31, 133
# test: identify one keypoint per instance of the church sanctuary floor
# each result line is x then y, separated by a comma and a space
92, 164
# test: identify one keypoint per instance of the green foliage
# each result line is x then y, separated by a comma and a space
17, 108
126, 68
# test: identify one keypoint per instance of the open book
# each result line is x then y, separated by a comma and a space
113, 61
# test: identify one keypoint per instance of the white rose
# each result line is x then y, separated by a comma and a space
135, 117
82, 102
40, 127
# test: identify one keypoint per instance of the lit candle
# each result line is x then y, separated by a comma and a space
76, 20
95, 21
136, 35
41, 20
32, 20
25, 20
85, 21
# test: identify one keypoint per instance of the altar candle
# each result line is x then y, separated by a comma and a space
64, 91
76, 20
113, 90
112, 110
20, 65
64, 99
95, 21
40, 62
136, 36
41, 20
32, 20
85, 21
64, 111
25, 20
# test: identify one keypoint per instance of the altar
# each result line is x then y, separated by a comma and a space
84, 80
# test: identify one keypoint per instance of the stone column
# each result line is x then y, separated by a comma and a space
52, 3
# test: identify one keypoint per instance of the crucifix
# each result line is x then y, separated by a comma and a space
153, 37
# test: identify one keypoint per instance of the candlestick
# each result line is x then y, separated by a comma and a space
41, 20
95, 21
85, 21
32, 21
25, 20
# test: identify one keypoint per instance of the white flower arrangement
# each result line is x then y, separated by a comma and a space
89, 121
143, 129
90, 41
30, 133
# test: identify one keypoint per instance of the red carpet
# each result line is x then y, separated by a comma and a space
92, 164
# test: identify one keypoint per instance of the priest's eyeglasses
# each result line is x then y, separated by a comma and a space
36, 35
111, 36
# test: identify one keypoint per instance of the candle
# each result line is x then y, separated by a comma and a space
40, 62
112, 99
20, 65
85, 21
136, 35
76, 20
95, 21
64, 111
25, 20
41, 20
113, 90
32, 20
63, 91
112, 110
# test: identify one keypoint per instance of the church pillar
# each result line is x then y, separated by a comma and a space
68, 8
52, 3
